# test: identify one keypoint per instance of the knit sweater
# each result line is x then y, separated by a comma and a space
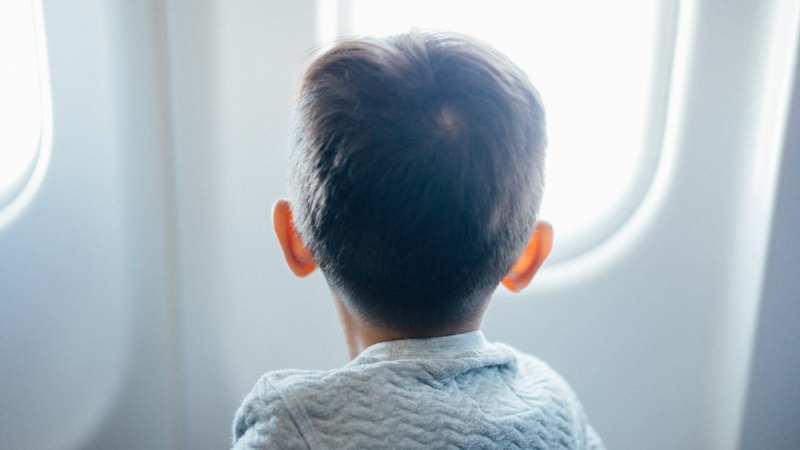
455, 391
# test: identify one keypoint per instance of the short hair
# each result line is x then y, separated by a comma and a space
416, 174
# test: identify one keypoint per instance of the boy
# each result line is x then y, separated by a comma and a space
417, 173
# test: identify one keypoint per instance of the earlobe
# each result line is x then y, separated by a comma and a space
531, 259
298, 256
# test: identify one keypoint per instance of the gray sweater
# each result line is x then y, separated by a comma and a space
449, 392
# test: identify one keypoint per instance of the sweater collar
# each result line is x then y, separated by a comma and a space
456, 345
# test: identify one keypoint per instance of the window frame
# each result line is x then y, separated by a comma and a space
23, 189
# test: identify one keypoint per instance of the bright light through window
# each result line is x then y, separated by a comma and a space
22, 98
595, 65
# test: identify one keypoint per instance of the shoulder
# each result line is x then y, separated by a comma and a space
540, 384
286, 408
264, 420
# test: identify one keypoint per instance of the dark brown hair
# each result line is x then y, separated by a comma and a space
417, 173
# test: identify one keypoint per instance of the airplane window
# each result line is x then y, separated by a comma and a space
602, 69
23, 97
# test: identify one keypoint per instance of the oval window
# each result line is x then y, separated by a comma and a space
24, 100
602, 70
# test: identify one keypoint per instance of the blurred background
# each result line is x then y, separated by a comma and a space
142, 144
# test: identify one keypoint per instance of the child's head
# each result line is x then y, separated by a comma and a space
417, 173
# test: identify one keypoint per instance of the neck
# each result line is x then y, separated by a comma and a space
359, 334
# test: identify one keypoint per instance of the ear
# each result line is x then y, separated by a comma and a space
298, 256
531, 258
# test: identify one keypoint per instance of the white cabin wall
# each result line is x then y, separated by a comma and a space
235, 65
146, 412
84, 278
142, 292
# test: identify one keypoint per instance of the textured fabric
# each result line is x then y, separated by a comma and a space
449, 392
